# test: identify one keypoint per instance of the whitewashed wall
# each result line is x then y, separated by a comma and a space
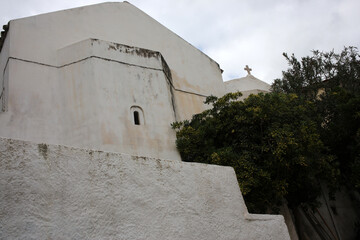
39, 37
86, 100
58, 192
56, 92
247, 84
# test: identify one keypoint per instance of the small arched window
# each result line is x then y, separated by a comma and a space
137, 115
136, 118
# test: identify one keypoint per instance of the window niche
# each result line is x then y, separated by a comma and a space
137, 115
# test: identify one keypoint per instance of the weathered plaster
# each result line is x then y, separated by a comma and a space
119, 23
58, 192
85, 100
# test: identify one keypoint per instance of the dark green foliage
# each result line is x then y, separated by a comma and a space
337, 77
340, 131
283, 143
272, 142
320, 71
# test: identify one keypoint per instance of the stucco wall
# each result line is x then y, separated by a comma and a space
122, 23
248, 83
85, 100
58, 192
194, 104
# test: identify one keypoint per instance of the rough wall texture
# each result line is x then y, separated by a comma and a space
58, 192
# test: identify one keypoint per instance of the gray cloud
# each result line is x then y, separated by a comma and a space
238, 33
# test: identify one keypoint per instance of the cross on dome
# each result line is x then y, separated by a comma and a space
248, 69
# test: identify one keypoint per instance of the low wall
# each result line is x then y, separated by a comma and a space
58, 192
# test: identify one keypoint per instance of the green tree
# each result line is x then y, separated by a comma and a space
340, 131
271, 140
323, 70
337, 77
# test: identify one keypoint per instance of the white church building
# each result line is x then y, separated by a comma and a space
86, 147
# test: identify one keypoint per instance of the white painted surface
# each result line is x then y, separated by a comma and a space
57, 92
86, 100
120, 23
247, 84
58, 192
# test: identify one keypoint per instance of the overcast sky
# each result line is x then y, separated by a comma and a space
236, 33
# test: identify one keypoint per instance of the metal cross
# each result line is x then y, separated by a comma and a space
248, 69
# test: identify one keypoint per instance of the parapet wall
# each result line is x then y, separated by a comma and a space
59, 192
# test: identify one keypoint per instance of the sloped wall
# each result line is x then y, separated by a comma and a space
58, 192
